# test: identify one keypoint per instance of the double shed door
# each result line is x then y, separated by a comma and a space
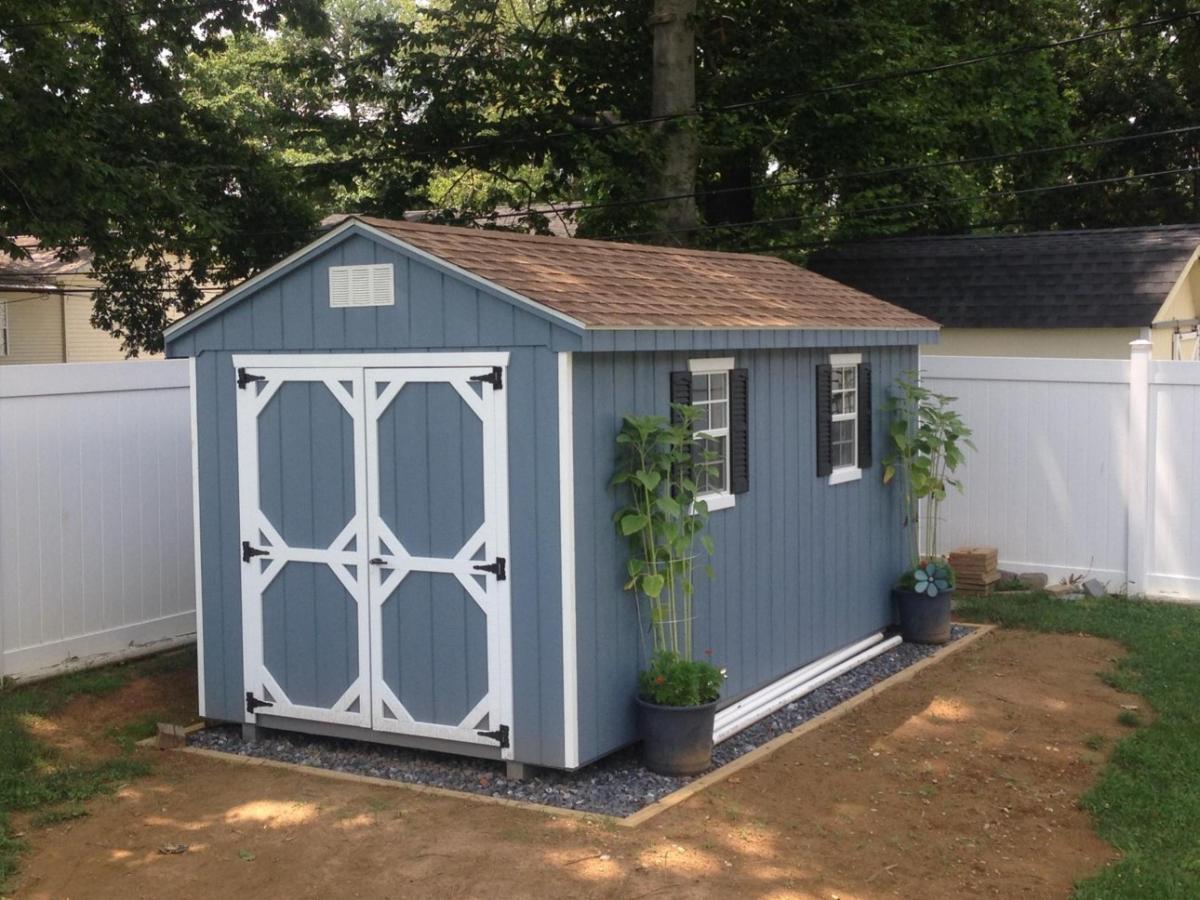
373, 503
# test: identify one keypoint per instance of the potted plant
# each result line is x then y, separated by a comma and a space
928, 438
658, 461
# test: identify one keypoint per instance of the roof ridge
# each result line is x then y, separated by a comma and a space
525, 237
1174, 228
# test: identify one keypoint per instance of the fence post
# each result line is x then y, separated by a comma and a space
1136, 537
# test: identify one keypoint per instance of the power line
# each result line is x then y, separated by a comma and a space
568, 208
780, 98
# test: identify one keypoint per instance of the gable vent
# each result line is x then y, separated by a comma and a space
361, 286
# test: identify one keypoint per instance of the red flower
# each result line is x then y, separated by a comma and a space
660, 680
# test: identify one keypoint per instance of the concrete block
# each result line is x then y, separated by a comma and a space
1034, 581
171, 736
1094, 588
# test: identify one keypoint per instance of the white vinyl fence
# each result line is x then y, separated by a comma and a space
1083, 467
95, 511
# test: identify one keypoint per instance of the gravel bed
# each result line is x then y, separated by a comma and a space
617, 785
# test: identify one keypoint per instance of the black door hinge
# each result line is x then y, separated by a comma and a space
498, 568
253, 703
249, 552
244, 378
500, 735
495, 378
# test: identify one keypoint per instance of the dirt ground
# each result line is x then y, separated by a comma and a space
962, 782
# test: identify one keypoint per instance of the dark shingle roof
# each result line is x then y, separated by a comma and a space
1051, 279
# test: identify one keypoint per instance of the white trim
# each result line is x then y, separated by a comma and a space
566, 516
203, 312
370, 360
780, 693
845, 359
197, 562
353, 224
708, 364
845, 474
718, 365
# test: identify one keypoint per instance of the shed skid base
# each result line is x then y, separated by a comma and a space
250, 733
516, 771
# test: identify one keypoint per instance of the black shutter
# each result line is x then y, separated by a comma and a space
739, 431
824, 419
681, 393
864, 417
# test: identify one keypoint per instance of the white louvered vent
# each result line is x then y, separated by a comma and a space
361, 286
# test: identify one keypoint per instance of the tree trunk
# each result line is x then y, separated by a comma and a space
674, 91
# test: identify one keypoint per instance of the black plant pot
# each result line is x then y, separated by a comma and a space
924, 619
676, 740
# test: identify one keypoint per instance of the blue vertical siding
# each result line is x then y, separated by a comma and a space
434, 311
802, 567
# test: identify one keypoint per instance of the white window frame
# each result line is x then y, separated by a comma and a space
4, 332
717, 365
843, 474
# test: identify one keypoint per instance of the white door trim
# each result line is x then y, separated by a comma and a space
256, 576
370, 360
490, 406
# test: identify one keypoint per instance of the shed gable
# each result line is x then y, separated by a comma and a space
434, 306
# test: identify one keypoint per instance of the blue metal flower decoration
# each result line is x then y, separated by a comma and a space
930, 580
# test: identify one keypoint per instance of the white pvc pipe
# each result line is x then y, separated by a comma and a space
792, 680
766, 703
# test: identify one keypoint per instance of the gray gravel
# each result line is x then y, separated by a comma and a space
617, 785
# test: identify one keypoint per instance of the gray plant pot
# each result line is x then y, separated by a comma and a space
676, 740
924, 619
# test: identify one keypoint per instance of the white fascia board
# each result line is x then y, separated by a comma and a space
204, 312
318, 359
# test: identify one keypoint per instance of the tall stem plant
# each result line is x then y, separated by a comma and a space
658, 462
928, 438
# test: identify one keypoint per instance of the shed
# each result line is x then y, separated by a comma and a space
1070, 293
404, 437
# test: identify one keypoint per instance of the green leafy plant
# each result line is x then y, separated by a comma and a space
670, 680
928, 438
928, 577
657, 462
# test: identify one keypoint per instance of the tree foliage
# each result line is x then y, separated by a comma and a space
202, 142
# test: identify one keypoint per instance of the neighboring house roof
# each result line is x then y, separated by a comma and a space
42, 266
1052, 279
603, 284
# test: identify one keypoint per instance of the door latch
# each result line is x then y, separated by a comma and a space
249, 552
497, 568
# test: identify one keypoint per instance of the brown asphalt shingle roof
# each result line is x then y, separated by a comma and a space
604, 284
1051, 279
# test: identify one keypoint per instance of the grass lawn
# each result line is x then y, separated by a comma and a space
1147, 802
38, 778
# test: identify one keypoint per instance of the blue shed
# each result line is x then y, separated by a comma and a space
404, 436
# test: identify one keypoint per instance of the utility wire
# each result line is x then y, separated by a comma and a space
901, 74
898, 207
566, 207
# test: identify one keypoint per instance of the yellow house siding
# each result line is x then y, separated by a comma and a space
35, 328
86, 343
1079, 343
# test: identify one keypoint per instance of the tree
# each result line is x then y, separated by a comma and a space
100, 148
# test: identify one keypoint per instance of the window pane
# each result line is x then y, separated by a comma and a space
850, 377
839, 403
837, 378
699, 388
701, 423
718, 414
711, 472
851, 401
718, 386
843, 443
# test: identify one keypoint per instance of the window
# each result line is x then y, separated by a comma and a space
3, 329
721, 392
843, 418
844, 405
